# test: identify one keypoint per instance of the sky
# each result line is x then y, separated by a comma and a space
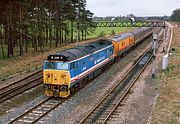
136, 7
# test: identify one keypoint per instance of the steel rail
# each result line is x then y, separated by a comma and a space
113, 88
15, 83
28, 111
44, 111
20, 89
127, 90
119, 82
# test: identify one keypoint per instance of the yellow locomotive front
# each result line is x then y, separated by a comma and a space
56, 79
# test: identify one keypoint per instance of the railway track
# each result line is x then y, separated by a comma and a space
34, 114
20, 86
101, 112
109, 105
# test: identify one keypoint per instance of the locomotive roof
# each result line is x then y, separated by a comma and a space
79, 51
137, 31
131, 33
123, 36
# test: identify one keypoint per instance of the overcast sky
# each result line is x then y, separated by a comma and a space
136, 7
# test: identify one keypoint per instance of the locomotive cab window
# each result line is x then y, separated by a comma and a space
56, 65
49, 65
62, 65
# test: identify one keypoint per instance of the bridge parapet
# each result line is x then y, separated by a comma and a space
128, 24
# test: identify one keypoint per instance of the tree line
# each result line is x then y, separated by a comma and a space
38, 24
175, 15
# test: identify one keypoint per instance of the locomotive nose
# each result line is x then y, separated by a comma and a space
56, 77
57, 83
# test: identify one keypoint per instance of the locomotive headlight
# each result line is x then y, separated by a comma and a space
55, 77
63, 75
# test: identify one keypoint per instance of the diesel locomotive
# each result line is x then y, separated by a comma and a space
68, 70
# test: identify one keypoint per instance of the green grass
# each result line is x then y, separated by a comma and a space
107, 31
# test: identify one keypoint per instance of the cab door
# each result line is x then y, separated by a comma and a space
74, 69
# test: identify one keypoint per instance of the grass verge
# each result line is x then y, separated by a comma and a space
167, 110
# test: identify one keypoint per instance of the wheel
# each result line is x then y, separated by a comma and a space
72, 90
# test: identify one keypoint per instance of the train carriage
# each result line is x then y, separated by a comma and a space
69, 69
65, 70
141, 33
122, 43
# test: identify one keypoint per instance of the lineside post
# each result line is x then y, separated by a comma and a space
154, 44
